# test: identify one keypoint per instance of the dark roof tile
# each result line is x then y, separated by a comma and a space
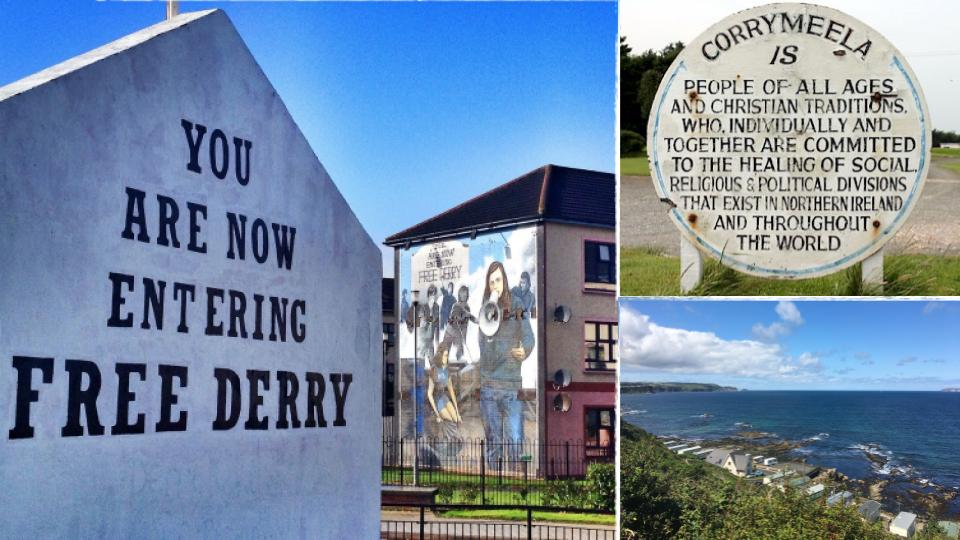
550, 193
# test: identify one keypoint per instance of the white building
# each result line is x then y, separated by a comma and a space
770, 461
904, 524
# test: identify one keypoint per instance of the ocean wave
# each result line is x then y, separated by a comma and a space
817, 437
628, 412
743, 424
885, 463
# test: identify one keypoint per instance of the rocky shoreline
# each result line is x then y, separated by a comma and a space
893, 486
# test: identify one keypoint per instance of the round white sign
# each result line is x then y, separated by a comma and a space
790, 140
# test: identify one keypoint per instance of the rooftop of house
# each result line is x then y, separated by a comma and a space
549, 193
719, 456
741, 461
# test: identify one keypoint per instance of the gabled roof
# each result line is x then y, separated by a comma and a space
741, 461
719, 456
549, 193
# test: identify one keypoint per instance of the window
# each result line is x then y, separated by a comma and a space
389, 382
600, 340
390, 331
599, 260
598, 432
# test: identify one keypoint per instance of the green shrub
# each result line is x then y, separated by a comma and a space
631, 143
562, 493
445, 493
602, 486
470, 493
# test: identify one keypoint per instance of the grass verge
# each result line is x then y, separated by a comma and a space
945, 152
635, 166
646, 272
521, 515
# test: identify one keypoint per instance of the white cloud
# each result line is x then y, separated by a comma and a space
789, 319
789, 313
647, 345
771, 331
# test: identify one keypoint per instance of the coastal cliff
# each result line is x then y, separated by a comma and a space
653, 388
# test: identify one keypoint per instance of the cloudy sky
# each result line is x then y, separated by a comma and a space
850, 345
925, 31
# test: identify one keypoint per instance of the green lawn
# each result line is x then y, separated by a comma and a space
465, 488
521, 515
945, 152
647, 273
634, 166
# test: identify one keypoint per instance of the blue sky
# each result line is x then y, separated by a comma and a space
842, 345
412, 107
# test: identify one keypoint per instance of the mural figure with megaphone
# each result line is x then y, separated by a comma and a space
506, 339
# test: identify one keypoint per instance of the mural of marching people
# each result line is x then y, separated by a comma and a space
468, 346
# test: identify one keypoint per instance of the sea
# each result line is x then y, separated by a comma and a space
909, 439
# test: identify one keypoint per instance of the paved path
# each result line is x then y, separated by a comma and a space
407, 524
932, 228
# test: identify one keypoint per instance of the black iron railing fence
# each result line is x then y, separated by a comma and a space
528, 472
422, 522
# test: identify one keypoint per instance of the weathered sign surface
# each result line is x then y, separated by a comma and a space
189, 311
791, 140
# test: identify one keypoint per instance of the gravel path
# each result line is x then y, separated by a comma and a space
932, 228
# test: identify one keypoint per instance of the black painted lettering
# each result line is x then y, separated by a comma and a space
135, 216
153, 302
316, 387
125, 397
227, 377
195, 210
260, 240
278, 318
168, 399
284, 249
238, 306
242, 177
256, 400
181, 290
77, 396
218, 139
22, 429
117, 300
213, 328
289, 387
169, 214
193, 143
258, 323
297, 328
340, 394
237, 227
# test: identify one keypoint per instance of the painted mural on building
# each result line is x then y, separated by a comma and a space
468, 351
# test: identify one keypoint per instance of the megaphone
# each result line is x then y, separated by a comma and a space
490, 315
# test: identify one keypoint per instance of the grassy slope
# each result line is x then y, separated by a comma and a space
664, 495
648, 273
